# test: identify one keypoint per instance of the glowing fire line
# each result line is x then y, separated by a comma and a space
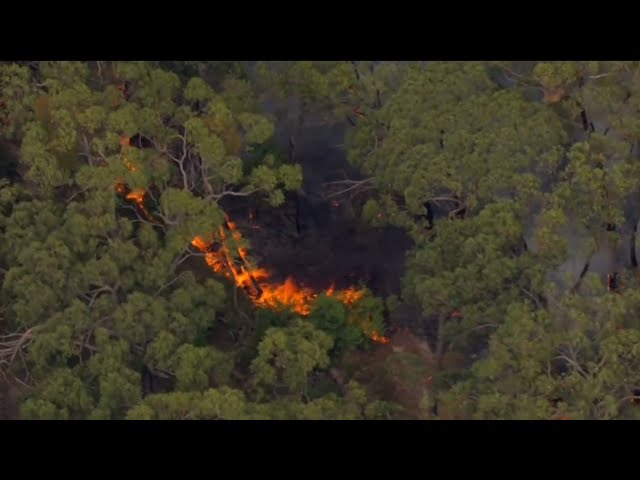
251, 279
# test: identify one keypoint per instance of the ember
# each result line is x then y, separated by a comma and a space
376, 337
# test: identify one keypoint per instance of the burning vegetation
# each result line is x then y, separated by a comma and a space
255, 281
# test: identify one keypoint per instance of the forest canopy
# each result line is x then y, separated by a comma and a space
148, 211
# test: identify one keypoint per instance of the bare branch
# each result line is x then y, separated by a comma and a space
100, 71
178, 160
354, 184
76, 194
572, 360
175, 279
189, 255
87, 150
533, 297
349, 182
233, 193
445, 199
166, 220
12, 346
470, 330
602, 75
98, 292
140, 218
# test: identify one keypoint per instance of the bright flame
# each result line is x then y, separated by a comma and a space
253, 280
137, 196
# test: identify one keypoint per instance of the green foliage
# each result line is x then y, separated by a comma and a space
213, 404
108, 311
288, 355
197, 367
17, 99
63, 397
543, 366
331, 316
266, 318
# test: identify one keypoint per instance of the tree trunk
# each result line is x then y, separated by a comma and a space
585, 120
292, 150
440, 346
147, 382
584, 271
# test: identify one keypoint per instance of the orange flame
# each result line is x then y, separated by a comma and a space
251, 279
254, 280
137, 196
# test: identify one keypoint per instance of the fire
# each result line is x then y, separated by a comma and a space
287, 294
376, 337
137, 196
253, 280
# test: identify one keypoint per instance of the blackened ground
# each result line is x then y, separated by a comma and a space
316, 241
8, 161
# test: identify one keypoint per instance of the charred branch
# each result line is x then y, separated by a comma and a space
292, 150
355, 70
232, 193
585, 120
148, 386
429, 214
584, 271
